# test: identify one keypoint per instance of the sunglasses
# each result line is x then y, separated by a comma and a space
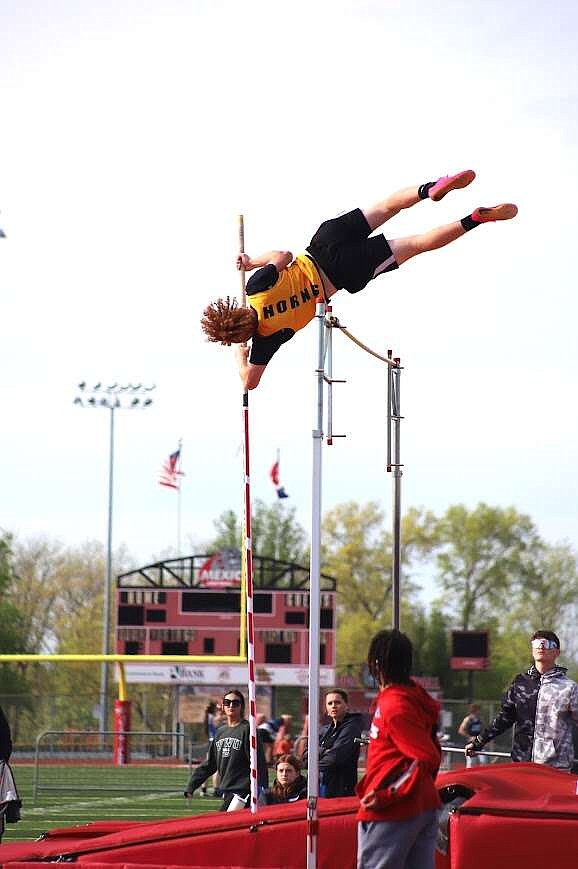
234, 702
542, 643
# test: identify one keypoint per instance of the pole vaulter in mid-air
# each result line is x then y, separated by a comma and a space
341, 255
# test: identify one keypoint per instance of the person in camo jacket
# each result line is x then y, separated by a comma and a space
541, 704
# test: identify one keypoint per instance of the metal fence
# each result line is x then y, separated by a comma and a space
453, 757
453, 713
82, 761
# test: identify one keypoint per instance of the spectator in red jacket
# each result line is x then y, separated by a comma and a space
399, 801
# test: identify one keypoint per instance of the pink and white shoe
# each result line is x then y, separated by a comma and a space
498, 212
451, 182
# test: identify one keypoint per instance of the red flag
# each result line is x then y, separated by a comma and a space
274, 473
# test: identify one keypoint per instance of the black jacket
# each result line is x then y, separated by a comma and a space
338, 756
229, 755
5, 738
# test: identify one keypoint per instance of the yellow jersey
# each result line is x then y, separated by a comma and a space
289, 303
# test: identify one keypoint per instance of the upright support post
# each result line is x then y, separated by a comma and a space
389, 389
179, 503
247, 567
330, 323
329, 379
315, 601
122, 710
395, 466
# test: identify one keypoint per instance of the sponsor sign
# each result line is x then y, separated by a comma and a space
222, 570
223, 674
469, 663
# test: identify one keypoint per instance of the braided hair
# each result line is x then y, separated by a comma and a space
389, 658
224, 322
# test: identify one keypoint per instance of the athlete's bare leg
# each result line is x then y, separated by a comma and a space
435, 190
382, 211
405, 248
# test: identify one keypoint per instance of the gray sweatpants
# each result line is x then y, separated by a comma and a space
398, 844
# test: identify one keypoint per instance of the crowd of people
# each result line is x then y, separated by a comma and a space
398, 798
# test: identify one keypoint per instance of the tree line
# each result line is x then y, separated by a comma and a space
490, 566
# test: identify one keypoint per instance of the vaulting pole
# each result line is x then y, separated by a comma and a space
247, 570
315, 602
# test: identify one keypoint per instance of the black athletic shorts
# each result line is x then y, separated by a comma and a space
346, 253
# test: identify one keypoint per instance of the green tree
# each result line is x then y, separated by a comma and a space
483, 558
13, 639
436, 652
38, 565
59, 591
549, 589
275, 533
12, 624
357, 551
229, 531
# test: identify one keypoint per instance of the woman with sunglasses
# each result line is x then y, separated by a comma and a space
229, 755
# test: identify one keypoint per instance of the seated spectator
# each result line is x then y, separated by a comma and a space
289, 785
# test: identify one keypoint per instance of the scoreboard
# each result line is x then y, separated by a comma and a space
192, 605
470, 650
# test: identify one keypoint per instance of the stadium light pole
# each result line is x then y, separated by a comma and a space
115, 397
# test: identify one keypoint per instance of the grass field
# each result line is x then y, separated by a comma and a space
93, 793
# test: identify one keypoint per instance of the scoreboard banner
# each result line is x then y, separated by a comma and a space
190, 608
222, 674
470, 650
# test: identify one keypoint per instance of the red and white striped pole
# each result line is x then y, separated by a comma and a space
248, 569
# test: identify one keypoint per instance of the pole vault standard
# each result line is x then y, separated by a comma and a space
247, 569
315, 600
395, 467
324, 356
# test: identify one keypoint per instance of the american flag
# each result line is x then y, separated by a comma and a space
170, 471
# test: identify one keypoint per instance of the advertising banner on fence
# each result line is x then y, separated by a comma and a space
222, 674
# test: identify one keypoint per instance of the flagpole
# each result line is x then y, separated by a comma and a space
179, 501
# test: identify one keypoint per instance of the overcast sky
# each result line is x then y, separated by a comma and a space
134, 133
